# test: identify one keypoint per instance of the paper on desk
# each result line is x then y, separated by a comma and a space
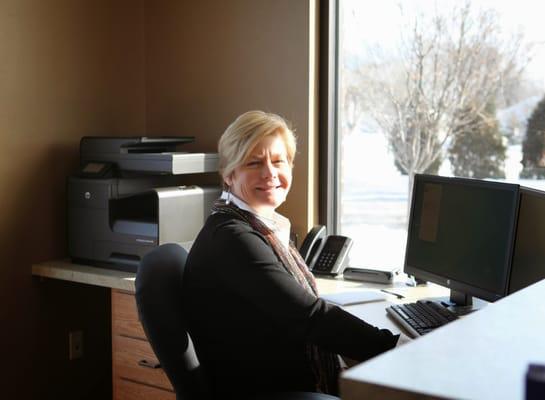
354, 297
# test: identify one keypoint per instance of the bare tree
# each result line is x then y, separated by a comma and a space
445, 65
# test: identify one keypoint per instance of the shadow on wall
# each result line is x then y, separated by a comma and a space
41, 312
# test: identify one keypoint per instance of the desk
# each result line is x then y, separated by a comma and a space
129, 345
132, 356
481, 356
131, 378
371, 312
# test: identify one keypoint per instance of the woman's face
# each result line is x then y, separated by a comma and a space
263, 180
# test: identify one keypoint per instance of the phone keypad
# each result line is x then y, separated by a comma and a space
325, 261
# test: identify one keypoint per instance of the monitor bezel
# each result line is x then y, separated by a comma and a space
452, 283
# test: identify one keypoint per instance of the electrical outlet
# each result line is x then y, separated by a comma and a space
75, 345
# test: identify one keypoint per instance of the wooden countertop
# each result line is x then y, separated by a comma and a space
67, 271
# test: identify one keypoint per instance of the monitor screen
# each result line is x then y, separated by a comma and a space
461, 234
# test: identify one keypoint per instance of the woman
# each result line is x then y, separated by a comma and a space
254, 314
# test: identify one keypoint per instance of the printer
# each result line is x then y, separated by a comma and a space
128, 197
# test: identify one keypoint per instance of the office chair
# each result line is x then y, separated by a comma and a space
158, 287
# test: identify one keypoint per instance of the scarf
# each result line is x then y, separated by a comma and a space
325, 365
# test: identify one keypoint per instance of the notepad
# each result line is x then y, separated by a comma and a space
354, 297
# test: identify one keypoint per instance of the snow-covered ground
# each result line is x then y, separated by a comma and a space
374, 199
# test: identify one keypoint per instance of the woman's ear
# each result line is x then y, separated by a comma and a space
228, 180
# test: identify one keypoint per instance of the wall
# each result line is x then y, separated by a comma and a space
209, 61
69, 68
122, 67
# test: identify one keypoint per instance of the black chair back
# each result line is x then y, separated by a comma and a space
158, 297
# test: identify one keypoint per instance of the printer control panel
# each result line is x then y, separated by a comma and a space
96, 169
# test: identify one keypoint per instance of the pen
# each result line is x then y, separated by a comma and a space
399, 296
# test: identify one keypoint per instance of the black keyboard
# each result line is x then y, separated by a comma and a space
421, 317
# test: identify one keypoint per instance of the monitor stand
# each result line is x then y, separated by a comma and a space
460, 303
460, 298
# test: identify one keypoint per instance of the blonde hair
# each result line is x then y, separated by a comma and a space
245, 132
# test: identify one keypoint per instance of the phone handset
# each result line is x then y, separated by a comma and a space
312, 243
325, 254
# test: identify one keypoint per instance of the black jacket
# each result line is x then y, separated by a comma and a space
250, 320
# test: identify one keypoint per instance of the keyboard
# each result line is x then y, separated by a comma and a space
421, 317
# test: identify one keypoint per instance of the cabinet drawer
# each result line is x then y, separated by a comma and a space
125, 316
127, 390
127, 353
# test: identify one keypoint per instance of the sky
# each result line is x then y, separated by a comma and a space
366, 22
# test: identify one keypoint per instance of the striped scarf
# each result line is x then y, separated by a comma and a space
325, 365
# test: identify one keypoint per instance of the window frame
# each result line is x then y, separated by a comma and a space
328, 150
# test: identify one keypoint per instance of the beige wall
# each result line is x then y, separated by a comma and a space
68, 68
121, 67
209, 61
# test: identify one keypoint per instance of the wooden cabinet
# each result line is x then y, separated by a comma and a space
136, 374
129, 390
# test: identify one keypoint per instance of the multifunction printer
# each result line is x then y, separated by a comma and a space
127, 199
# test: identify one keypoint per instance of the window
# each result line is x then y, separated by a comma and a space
441, 87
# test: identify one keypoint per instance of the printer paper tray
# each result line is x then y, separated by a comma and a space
170, 163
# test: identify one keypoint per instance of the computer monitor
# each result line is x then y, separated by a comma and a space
528, 265
461, 235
